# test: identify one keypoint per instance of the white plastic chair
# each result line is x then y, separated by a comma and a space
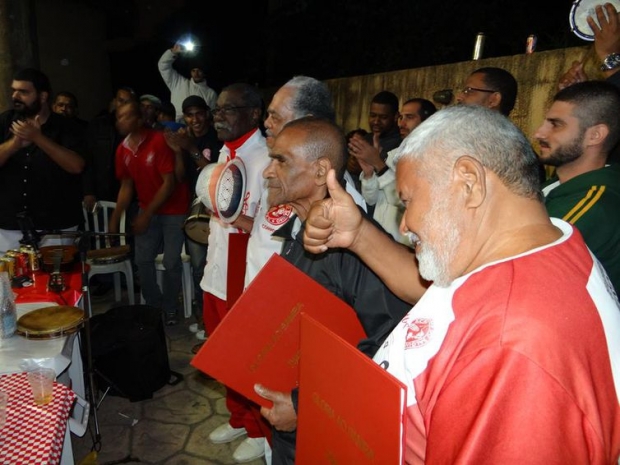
105, 259
187, 281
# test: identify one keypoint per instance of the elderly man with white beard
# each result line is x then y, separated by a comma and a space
505, 358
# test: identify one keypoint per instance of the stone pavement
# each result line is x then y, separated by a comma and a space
172, 428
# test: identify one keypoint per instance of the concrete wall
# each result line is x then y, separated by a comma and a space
537, 75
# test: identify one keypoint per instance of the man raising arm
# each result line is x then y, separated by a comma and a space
336, 222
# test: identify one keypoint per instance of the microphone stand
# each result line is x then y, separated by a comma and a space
83, 246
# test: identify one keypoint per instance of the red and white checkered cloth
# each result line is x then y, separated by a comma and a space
33, 434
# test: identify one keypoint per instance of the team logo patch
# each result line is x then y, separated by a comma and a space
279, 214
418, 333
149, 158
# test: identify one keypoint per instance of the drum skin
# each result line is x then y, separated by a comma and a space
50, 322
196, 225
579, 13
230, 190
206, 185
221, 188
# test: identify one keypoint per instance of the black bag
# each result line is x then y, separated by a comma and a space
129, 352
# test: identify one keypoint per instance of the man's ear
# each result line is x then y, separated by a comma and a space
256, 115
495, 100
323, 165
44, 96
596, 135
469, 176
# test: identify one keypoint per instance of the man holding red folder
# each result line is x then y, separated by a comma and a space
510, 355
236, 119
301, 156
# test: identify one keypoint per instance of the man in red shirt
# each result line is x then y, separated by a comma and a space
146, 164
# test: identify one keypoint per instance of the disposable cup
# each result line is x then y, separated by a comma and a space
42, 384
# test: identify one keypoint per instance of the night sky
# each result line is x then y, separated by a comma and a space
332, 38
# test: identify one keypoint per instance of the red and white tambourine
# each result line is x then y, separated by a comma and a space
221, 188
579, 13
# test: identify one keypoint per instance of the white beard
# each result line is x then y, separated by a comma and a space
434, 260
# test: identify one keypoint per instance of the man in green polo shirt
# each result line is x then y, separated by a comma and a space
579, 131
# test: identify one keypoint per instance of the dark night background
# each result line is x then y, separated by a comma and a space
268, 42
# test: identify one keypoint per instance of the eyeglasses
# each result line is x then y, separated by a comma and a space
227, 111
469, 90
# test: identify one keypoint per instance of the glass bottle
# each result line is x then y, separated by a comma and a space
8, 310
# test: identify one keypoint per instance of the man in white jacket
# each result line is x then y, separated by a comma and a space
182, 87
378, 177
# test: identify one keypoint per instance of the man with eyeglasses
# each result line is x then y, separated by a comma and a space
237, 116
494, 88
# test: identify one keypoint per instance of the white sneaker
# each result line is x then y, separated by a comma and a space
225, 433
200, 335
193, 328
249, 449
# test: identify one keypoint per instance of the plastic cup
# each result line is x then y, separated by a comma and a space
4, 400
42, 384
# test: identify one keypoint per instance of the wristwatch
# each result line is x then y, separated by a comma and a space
611, 61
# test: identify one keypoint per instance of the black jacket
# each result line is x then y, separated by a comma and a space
345, 275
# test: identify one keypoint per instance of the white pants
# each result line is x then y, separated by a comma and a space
9, 239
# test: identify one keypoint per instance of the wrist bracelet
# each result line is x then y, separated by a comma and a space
382, 170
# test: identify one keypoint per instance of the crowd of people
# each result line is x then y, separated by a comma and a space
487, 287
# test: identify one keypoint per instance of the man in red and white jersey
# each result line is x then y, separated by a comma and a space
236, 117
512, 355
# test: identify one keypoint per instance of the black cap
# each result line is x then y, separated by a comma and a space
194, 101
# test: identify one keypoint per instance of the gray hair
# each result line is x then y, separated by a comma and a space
312, 98
483, 134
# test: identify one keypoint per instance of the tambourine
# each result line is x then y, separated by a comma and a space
221, 188
230, 190
579, 13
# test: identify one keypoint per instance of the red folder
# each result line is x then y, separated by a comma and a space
258, 340
350, 409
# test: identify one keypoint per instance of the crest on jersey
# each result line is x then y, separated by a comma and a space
279, 214
418, 332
